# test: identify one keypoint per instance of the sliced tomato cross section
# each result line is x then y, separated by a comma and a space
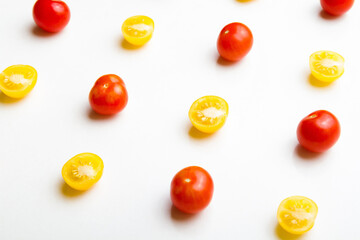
82, 171
208, 114
297, 214
138, 30
326, 66
18, 80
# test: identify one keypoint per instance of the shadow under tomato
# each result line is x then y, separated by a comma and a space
326, 16
180, 216
37, 31
98, 117
67, 191
8, 100
317, 83
126, 45
306, 154
223, 62
283, 235
194, 133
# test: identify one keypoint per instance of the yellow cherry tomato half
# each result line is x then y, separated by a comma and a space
297, 214
326, 66
82, 171
208, 114
18, 80
138, 30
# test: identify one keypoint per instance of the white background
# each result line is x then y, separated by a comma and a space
255, 160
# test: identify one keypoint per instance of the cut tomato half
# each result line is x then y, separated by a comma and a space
326, 66
297, 214
82, 171
208, 114
18, 80
138, 30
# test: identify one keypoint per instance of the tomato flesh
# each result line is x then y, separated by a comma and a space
326, 66
138, 30
191, 189
297, 214
208, 114
235, 41
108, 95
51, 15
318, 131
18, 80
82, 171
336, 7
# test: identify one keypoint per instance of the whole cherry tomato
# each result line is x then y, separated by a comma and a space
108, 95
191, 189
51, 15
235, 41
318, 131
336, 7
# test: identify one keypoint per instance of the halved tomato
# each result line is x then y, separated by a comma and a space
82, 171
18, 80
138, 30
326, 66
297, 214
208, 114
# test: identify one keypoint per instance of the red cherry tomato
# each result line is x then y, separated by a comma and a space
108, 95
235, 41
51, 15
336, 7
192, 189
318, 131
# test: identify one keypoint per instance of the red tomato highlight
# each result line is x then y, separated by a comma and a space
235, 41
51, 15
108, 95
192, 189
318, 131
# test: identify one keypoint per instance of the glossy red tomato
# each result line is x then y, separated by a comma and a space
108, 95
51, 15
336, 7
318, 131
235, 41
192, 189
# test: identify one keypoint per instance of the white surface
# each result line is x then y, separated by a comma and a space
254, 159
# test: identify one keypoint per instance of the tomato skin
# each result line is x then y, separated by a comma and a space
108, 95
235, 41
318, 131
336, 7
191, 189
51, 15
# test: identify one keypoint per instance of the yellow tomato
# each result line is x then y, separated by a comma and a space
83, 171
208, 114
297, 214
18, 80
326, 66
138, 30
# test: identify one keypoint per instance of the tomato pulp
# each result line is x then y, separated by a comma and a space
297, 214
